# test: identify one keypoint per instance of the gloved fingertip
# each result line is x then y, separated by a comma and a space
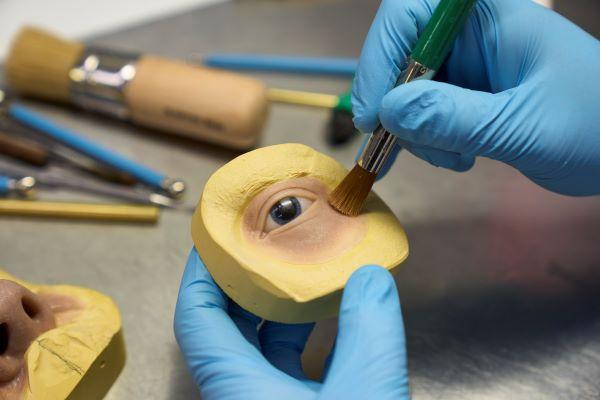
464, 164
365, 122
197, 283
416, 111
368, 284
195, 270
442, 158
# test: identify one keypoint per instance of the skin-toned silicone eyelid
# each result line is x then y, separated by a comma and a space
260, 222
311, 213
275, 197
254, 210
305, 205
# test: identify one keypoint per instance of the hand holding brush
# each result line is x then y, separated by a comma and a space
520, 86
427, 57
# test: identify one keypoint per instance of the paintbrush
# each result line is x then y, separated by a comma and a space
200, 103
427, 56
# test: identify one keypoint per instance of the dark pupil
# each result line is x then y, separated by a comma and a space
285, 210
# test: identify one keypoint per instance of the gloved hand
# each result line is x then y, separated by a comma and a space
231, 357
521, 85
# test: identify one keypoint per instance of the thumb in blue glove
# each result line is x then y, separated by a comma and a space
231, 355
521, 86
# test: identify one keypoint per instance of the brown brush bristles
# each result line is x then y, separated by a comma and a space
350, 195
38, 64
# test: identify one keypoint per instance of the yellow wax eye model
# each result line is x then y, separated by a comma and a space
57, 342
272, 242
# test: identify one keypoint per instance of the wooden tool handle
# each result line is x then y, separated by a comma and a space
23, 149
102, 212
201, 103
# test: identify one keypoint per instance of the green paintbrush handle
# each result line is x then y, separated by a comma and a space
436, 40
428, 55
345, 102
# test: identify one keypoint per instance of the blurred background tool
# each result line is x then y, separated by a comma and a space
61, 179
154, 179
340, 128
38, 154
22, 186
199, 103
23, 149
103, 212
274, 63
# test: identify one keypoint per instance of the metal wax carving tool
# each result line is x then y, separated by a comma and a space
61, 179
22, 186
172, 187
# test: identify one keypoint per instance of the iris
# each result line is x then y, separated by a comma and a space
285, 210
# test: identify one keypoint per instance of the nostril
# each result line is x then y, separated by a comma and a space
30, 307
4, 336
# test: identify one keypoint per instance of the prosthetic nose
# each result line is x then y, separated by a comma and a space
23, 317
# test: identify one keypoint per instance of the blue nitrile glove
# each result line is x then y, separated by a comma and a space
231, 357
533, 97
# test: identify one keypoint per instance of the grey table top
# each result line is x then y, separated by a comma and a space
500, 293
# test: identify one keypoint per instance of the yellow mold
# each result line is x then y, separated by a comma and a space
83, 355
273, 287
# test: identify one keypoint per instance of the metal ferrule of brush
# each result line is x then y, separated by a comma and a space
98, 80
381, 143
378, 149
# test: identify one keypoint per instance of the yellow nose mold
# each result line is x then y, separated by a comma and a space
271, 287
83, 355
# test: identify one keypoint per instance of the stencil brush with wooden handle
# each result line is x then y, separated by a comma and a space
215, 106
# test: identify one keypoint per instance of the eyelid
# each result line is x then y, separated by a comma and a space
289, 192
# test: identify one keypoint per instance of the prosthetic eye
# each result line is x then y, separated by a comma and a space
286, 210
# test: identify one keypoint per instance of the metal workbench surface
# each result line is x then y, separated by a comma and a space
500, 293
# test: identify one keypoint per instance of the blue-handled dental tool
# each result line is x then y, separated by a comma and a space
22, 186
291, 64
172, 187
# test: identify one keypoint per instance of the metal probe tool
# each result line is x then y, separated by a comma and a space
22, 186
64, 180
171, 187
